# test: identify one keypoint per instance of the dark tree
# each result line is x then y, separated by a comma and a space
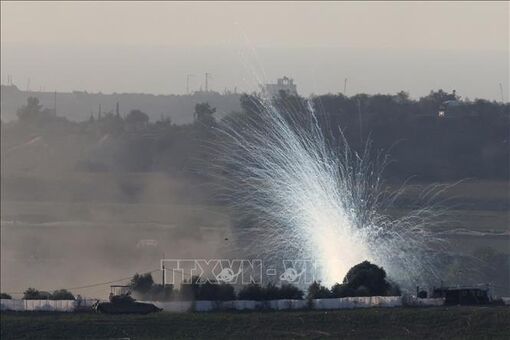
62, 294
367, 277
137, 117
288, 291
5, 296
142, 283
33, 112
204, 115
318, 291
34, 294
251, 292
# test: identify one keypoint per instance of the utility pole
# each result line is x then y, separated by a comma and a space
28, 84
207, 75
501, 90
345, 87
188, 76
163, 276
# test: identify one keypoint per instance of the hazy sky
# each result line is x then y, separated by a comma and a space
150, 47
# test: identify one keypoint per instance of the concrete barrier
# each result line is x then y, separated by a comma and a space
413, 301
207, 306
38, 305
173, 306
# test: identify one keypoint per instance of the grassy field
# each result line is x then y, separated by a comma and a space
432, 323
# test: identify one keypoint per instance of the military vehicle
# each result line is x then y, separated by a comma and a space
121, 302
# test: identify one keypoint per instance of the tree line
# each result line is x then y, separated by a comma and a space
440, 136
364, 279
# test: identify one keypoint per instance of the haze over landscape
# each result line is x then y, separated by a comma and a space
357, 153
152, 47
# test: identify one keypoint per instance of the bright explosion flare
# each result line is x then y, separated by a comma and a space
320, 201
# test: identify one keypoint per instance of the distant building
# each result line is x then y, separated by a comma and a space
462, 295
284, 84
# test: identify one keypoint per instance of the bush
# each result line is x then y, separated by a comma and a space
252, 292
141, 283
190, 289
159, 293
362, 291
216, 292
393, 290
271, 292
422, 294
288, 291
226, 292
342, 290
318, 291
34, 294
62, 294
5, 296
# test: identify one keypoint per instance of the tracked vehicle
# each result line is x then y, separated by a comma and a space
121, 302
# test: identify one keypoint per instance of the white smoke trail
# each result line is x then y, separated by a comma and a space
318, 200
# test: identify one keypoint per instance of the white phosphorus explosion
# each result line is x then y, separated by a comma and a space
314, 199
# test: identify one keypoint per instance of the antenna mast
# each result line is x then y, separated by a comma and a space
207, 76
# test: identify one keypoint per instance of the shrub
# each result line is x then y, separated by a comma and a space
342, 290
422, 294
190, 289
362, 291
208, 291
271, 292
318, 291
159, 293
394, 290
288, 291
141, 283
215, 292
226, 292
34, 294
252, 292
5, 296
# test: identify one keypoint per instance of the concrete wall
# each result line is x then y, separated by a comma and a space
208, 306
44, 305
340, 303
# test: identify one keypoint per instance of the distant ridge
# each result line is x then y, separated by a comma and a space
79, 105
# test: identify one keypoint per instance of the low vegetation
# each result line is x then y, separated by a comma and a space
364, 279
60, 294
387, 323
